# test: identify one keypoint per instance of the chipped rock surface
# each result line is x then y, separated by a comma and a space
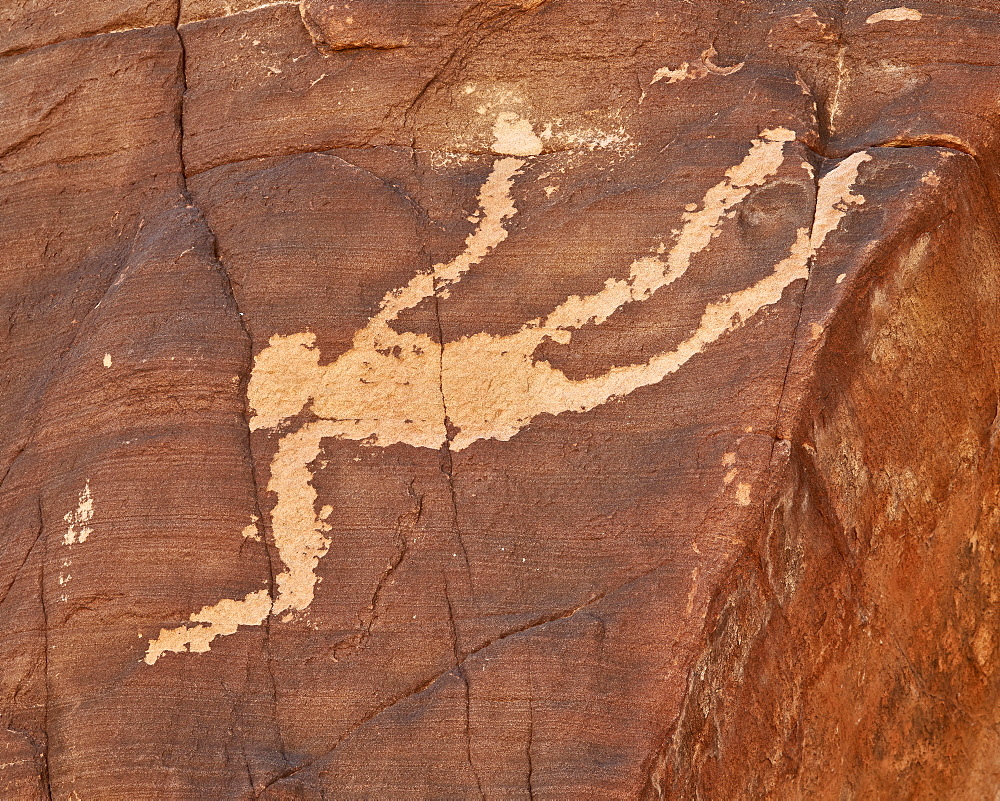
499, 399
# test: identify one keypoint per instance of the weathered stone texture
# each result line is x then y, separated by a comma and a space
499, 399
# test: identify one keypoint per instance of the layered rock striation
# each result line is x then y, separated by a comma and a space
502, 399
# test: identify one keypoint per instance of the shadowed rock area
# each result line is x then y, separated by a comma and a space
499, 399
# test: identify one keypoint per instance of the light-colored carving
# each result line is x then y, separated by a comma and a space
77, 521
395, 387
700, 69
217, 620
901, 14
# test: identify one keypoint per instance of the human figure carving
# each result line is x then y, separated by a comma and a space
403, 387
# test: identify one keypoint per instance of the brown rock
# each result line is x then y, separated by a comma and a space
499, 399
29, 24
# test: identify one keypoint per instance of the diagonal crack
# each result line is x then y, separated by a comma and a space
31, 138
428, 685
467, 690
13, 459
242, 388
778, 416
24, 561
402, 550
45, 660
447, 463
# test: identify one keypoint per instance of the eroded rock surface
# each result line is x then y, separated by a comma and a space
499, 399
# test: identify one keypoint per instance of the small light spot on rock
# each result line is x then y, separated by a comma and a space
900, 14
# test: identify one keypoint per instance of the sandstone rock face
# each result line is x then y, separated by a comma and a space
499, 399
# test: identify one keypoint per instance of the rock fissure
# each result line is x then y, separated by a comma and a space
46, 674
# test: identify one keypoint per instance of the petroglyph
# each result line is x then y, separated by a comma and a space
211, 622
682, 73
700, 69
715, 69
278, 391
400, 387
78, 520
901, 14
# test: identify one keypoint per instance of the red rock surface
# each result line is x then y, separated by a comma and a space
501, 399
